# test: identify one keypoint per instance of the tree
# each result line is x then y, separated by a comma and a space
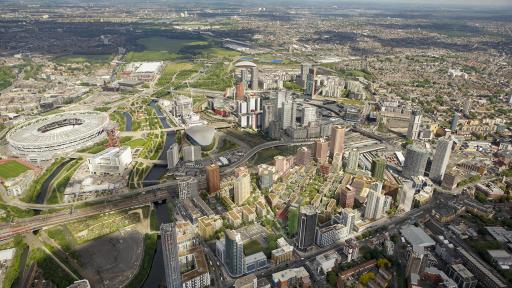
366, 277
332, 278
383, 263
293, 219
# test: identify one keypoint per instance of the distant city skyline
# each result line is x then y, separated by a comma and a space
419, 3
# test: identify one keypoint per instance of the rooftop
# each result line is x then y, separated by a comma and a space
416, 236
201, 134
149, 67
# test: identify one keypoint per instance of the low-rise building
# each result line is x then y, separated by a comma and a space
331, 234
255, 262
294, 277
191, 153
248, 214
283, 253
233, 217
208, 225
461, 275
502, 258
486, 277
113, 160
327, 262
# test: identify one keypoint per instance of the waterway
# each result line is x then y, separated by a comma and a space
128, 121
157, 171
156, 276
43, 193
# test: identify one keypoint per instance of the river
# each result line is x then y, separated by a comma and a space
156, 275
157, 171
43, 192
128, 121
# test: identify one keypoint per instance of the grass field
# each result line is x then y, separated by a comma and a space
12, 169
217, 77
170, 49
139, 142
174, 71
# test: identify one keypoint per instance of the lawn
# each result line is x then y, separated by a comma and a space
137, 175
220, 52
13, 211
12, 169
139, 142
252, 246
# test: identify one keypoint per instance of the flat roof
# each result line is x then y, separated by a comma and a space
149, 67
416, 236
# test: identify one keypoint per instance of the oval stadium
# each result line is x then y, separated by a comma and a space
41, 138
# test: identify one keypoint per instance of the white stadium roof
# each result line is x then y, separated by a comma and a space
57, 133
202, 134
245, 64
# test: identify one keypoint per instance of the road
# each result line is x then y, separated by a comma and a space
305, 257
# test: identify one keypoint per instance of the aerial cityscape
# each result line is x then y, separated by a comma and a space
255, 144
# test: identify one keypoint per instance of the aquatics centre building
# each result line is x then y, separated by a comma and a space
42, 138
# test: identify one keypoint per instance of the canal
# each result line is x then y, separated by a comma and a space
157, 171
156, 276
43, 193
128, 121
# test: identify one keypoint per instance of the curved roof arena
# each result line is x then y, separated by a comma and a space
202, 135
245, 64
42, 137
